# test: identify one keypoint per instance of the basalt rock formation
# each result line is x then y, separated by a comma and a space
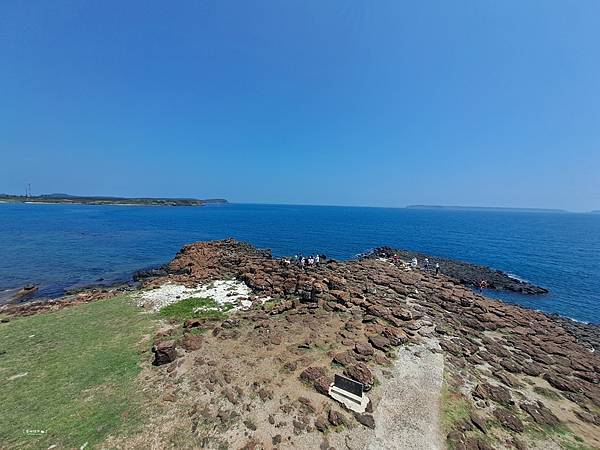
466, 273
511, 370
513, 365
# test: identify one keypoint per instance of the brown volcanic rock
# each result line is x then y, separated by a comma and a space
540, 414
361, 373
379, 342
191, 342
509, 420
164, 352
317, 376
364, 349
499, 394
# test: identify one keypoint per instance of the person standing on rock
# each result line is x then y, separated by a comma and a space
317, 259
437, 269
426, 263
302, 262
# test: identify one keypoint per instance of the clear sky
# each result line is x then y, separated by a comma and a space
382, 103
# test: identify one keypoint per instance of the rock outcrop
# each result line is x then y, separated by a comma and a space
468, 274
513, 367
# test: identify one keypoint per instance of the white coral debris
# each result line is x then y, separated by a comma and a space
223, 292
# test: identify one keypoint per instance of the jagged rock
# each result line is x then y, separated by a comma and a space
192, 323
191, 342
365, 419
229, 395
479, 422
336, 418
291, 365
402, 313
456, 440
321, 424
322, 385
379, 342
510, 365
560, 383
341, 296
317, 376
164, 352
396, 336
363, 349
230, 323
306, 404
486, 391
344, 358
475, 443
588, 417
336, 283
451, 347
508, 420
169, 397
507, 379
540, 414
361, 373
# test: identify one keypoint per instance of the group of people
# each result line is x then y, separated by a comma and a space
426, 265
305, 261
312, 260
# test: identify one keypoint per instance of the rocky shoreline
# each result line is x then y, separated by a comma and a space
468, 274
519, 378
514, 368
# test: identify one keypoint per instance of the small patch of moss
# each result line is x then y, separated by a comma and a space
455, 408
560, 434
270, 304
548, 393
197, 331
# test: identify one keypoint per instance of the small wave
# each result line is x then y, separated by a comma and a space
575, 320
516, 277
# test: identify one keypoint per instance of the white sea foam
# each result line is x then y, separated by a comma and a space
516, 277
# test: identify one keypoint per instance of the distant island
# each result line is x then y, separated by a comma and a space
93, 200
488, 208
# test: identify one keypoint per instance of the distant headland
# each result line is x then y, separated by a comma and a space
488, 208
97, 200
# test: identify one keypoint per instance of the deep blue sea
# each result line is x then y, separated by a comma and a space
61, 246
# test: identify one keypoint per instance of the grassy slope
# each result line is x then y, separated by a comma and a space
81, 364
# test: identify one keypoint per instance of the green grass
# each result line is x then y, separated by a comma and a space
195, 308
270, 304
560, 434
80, 364
548, 393
455, 408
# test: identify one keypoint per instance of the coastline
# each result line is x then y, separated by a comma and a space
486, 371
136, 279
64, 199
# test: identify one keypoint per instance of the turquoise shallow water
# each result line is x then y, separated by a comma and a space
60, 246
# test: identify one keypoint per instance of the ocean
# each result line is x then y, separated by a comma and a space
64, 246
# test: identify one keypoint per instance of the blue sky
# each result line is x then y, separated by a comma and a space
383, 103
